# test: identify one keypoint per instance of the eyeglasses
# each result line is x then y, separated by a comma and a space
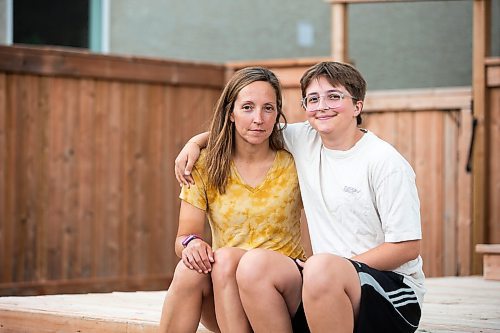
332, 100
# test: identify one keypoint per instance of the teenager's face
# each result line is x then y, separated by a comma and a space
328, 120
254, 113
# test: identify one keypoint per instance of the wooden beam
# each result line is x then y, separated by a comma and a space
456, 98
51, 61
340, 33
480, 50
378, 1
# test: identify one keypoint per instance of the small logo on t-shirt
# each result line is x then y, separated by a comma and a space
351, 190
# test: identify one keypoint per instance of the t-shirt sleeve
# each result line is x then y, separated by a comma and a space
399, 206
290, 135
195, 194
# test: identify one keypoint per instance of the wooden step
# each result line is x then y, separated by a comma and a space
130, 312
452, 304
491, 260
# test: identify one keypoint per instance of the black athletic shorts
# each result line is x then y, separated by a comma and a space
387, 304
299, 322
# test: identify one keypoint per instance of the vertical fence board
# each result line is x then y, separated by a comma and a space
464, 189
450, 192
171, 147
154, 203
30, 213
69, 209
4, 221
56, 179
100, 257
494, 153
428, 167
45, 189
85, 175
405, 135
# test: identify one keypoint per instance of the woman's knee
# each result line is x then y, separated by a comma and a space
188, 279
226, 262
252, 267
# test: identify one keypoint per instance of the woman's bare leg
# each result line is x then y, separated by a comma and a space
189, 298
269, 278
230, 314
331, 293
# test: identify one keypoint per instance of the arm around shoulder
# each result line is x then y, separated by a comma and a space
187, 157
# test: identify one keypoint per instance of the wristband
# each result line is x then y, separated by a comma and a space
189, 238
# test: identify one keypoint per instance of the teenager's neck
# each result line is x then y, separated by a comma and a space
344, 141
245, 152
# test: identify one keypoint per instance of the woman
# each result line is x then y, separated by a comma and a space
247, 186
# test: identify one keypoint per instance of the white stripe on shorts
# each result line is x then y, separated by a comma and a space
366, 278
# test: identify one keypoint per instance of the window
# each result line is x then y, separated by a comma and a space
75, 23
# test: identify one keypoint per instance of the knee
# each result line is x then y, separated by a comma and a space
226, 262
251, 268
188, 279
322, 275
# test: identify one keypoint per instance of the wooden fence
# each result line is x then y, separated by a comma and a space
88, 200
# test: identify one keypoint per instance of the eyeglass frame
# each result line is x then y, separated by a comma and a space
340, 93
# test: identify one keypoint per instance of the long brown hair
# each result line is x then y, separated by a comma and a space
221, 139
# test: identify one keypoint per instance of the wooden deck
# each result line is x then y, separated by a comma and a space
464, 304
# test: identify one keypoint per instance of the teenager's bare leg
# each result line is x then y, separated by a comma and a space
230, 314
270, 289
189, 298
331, 293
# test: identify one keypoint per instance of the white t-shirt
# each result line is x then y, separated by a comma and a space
357, 199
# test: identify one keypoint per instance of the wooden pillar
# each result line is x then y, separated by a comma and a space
480, 50
340, 38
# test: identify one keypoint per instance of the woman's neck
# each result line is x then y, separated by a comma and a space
248, 153
253, 162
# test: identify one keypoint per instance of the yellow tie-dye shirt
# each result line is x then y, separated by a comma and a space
266, 216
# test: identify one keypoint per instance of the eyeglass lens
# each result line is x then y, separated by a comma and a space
331, 100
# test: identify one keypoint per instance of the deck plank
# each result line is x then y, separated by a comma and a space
452, 304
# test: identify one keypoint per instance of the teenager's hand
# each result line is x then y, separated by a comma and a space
198, 255
184, 163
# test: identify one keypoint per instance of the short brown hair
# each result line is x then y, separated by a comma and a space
337, 73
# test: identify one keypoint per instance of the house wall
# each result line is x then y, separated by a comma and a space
4, 38
395, 45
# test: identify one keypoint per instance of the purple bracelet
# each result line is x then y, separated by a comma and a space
189, 238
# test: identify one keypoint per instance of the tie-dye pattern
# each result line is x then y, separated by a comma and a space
266, 216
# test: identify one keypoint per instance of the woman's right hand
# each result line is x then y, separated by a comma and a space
198, 255
184, 163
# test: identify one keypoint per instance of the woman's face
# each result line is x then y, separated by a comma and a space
254, 113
